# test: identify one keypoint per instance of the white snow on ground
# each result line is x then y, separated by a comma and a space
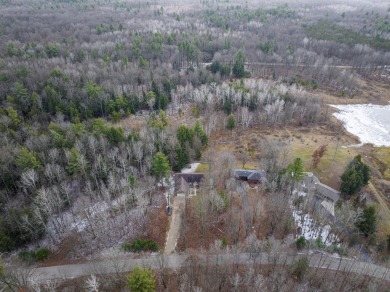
300, 193
310, 229
192, 169
371, 123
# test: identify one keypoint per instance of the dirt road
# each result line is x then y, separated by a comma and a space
175, 225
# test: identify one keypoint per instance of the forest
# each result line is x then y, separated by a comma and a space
101, 101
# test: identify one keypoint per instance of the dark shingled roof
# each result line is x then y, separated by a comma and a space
258, 175
184, 180
249, 174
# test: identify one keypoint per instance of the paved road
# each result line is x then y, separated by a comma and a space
176, 261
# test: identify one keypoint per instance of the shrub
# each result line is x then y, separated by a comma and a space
41, 254
27, 256
319, 242
341, 250
300, 242
126, 246
33, 256
140, 245
300, 268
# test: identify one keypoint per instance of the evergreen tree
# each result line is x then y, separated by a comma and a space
366, 223
161, 166
295, 169
198, 130
184, 134
356, 175
231, 122
159, 121
141, 280
182, 158
115, 134
239, 65
16, 119
295, 172
73, 163
27, 159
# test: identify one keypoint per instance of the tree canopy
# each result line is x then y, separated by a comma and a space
231, 122
355, 176
366, 222
239, 65
161, 166
141, 280
295, 169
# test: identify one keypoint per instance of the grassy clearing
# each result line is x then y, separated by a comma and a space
247, 166
300, 142
382, 157
203, 167
332, 164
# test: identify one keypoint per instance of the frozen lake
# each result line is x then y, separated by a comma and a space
371, 123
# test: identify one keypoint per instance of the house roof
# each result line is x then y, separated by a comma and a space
328, 192
249, 174
310, 179
184, 180
258, 175
312, 182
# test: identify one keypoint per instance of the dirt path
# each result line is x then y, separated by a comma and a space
246, 210
383, 212
384, 209
174, 228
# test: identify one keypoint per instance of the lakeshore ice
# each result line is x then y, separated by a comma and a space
371, 123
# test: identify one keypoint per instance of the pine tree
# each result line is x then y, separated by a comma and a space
198, 129
294, 171
184, 134
356, 176
73, 163
27, 159
239, 65
161, 166
366, 223
141, 280
231, 122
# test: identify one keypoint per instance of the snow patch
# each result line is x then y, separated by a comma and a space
191, 169
371, 123
311, 231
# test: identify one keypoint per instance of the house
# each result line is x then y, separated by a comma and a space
327, 195
187, 183
251, 176
310, 181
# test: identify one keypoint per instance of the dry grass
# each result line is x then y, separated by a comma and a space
382, 156
203, 167
333, 163
299, 142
